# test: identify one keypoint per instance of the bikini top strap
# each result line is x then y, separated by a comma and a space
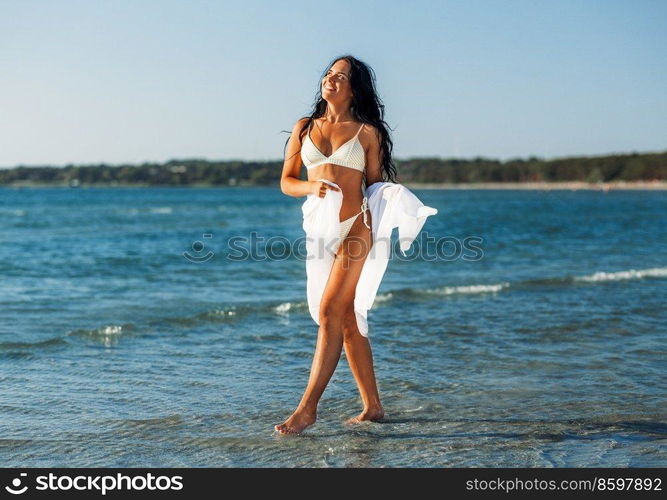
362, 126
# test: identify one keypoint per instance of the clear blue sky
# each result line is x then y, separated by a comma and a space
133, 81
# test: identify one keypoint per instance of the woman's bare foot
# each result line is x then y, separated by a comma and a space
297, 422
369, 415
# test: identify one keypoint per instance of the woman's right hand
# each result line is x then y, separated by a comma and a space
319, 188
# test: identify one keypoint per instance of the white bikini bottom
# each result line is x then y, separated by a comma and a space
346, 225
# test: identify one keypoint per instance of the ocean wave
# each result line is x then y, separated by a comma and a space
287, 307
468, 289
630, 274
160, 210
110, 334
42, 344
103, 331
383, 297
13, 211
139, 210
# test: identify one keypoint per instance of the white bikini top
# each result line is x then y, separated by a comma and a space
350, 154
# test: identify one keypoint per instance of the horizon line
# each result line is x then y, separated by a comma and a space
441, 158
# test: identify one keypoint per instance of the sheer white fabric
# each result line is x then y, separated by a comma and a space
391, 205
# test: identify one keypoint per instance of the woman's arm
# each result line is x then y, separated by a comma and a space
290, 184
373, 156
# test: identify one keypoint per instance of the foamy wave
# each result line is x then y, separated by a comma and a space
451, 290
161, 210
631, 274
110, 330
383, 297
222, 312
108, 334
217, 315
286, 307
283, 308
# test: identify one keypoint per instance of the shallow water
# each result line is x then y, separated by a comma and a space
116, 350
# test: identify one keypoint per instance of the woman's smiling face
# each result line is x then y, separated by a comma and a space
336, 83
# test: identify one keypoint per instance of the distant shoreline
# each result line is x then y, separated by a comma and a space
544, 186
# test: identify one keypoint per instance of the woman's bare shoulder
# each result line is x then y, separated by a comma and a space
299, 125
370, 134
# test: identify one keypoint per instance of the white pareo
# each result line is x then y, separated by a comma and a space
391, 205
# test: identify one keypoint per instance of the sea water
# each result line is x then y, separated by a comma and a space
134, 332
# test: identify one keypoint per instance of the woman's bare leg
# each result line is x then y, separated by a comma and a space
360, 359
338, 295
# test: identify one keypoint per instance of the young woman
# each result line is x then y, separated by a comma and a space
345, 147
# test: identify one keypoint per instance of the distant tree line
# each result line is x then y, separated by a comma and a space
622, 167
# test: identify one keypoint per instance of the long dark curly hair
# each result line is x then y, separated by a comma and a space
366, 107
